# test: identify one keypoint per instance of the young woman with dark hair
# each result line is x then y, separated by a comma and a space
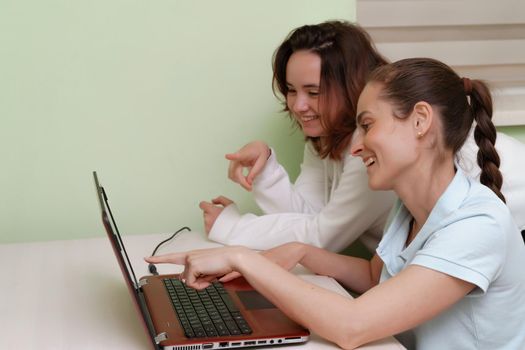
320, 70
449, 267
346, 57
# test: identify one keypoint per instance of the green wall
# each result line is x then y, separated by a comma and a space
151, 94
514, 131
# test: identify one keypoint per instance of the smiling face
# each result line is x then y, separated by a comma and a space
303, 75
385, 143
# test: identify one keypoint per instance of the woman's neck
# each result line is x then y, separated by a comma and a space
421, 188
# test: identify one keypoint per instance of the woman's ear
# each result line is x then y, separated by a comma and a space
422, 118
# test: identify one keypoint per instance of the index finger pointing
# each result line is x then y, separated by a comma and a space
232, 156
173, 258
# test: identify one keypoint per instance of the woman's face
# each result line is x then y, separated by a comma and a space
385, 143
303, 76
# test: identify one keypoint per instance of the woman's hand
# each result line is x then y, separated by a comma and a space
211, 210
287, 256
252, 156
205, 265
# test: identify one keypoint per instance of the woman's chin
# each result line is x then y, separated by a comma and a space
377, 185
312, 134
313, 130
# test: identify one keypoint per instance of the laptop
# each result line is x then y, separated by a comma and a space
176, 317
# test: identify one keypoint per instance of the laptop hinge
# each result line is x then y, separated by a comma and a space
161, 337
142, 283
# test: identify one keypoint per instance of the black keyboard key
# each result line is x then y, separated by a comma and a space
208, 327
215, 315
188, 332
237, 315
229, 303
232, 326
195, 323
224, 332
212, 334
199, 332
220, 325
246, 330
205, 320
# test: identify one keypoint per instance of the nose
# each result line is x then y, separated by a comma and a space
300, 104
356, 147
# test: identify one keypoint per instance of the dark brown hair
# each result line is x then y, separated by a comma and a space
409, 81
347, 58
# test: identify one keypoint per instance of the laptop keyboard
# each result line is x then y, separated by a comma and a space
206, 313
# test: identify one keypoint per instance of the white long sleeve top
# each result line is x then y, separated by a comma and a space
330, 204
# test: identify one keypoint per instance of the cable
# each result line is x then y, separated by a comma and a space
152, 268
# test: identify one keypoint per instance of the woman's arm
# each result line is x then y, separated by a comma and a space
275, 193
273, 190
414, 296
353, 209
354, 273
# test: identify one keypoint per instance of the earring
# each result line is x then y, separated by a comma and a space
419, 134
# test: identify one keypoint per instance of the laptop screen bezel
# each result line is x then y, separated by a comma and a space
123, 261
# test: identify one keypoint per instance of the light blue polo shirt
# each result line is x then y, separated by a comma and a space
470, 234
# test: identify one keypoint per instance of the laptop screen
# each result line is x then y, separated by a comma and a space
113, 232
123, 260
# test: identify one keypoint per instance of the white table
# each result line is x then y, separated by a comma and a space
71, 294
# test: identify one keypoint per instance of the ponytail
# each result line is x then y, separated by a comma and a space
485, 135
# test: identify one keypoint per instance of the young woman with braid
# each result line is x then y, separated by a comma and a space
320, 71
450, 265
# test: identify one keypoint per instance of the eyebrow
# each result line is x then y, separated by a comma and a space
304, 86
